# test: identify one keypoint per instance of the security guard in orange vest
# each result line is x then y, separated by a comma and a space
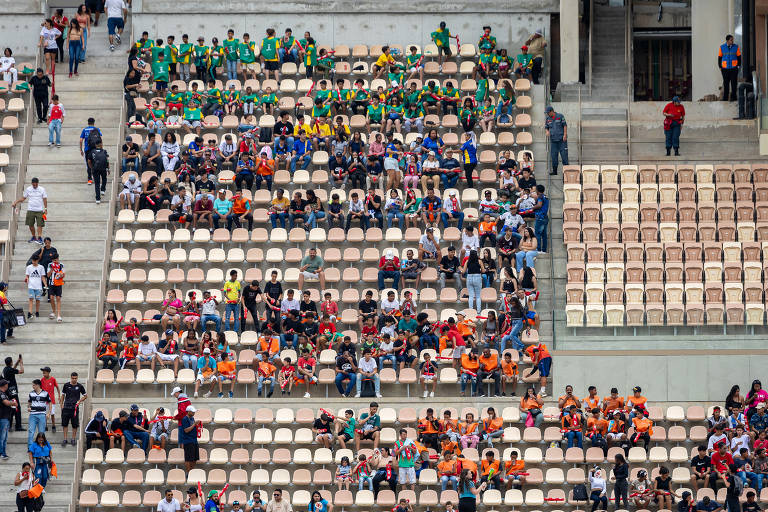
729, 60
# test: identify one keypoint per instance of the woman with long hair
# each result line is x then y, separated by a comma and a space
75, 43
83, 17
621, 474
734, 399
111, 325
473, 268
527, 250
24, 481
468, 491
490, 268
531, 404
41, 458
755, 396
318, 504
48, 36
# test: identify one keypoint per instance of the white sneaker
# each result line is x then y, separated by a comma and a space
195, 394
306, 395
51, 316
379, 395
98, 201
431, 394
543, 394
426, 393
207, 395
357, 395
50, 144
59, 320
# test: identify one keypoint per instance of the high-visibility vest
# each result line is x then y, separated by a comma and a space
729, 57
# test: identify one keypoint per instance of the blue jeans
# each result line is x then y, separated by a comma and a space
363, 480
36, 424
395, 215
574, 437
137, 438
449, 179
428, 340
4, 426
312, 219
284, 341
136, 164
514, 337
75, 47
231, 69
266, 179
2, 328
445, 480
41, 470
274, 217
757, 480
350, 386
189, 360
528, 256
540, 231
294, 54
558, 148
260, 384
54, 127
474, 285
293, 216
85, 45
234, 309
305, 160
673, 136
465, 377
288, 142
216, 319
389, 357
455, 215
389, 274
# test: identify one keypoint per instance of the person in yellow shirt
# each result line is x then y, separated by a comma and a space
265, 375
301, 124
384, 60
321, 134
232, 300
226, 370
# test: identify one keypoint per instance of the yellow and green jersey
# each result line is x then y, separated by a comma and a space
230, 48
269, 47
247, 52
185, 53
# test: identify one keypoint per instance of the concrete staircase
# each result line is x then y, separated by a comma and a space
78, 228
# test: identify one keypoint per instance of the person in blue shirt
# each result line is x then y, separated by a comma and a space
432, 142
449, 170
85, 146
541, 210
244, 171
212, 505
469, 156
302, 149
40, 451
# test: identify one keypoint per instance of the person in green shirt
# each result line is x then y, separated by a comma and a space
201, 59
155, 118
360, 97
269, 58
430, 96
414, 118
395, 76
248, 99
414, 63
215, 58
413, 95
506, 102
268, 101
324, 94
523, 63
441, 38
157, 49
160, 73
487, 114
340, 97
174, 99
288, 51
231, 100
171, 56
486, 64
310, 57
468, 115
193, 95
504, 63
395, 112
346, 428
487, 41
184, 57
325, 64
320, 109
144, 44
247, 51
193, 117
449, 98
482, 90
231, 46
213, 98
374, 113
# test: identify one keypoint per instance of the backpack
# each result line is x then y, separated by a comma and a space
265, 134
738, 485
94, 138
580, 492
367, 389
100, 159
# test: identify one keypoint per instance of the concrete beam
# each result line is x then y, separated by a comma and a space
8, 7
569, 41
710, 22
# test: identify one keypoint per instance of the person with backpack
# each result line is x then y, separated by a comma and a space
90, 137
734, 488
99, 166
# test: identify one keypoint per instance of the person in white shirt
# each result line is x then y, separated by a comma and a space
131, 193
37, 207
34, 276
469, 241
390, 305
368, 369
356, 212
169, 503
289, 303
170, 151
512, 220
597, 489
25, 480
147, 353
8, 67
227, 152
116, 13
452, 209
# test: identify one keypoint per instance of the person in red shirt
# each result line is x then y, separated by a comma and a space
48, 384
722, 458
389, 268
674, 116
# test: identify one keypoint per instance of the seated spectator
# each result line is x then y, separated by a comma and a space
489, 471
447, 471
428, 429
450, 170
265, 373
265, 169
368, 370
643, 428
346, 369
241, 211
389, 268
489, 369
526, 252
531, 404
302, 152
181, 205
468, 432
469, 368
226, 371
373, 204
513, 222
106, 352
322, 429
452, 210
206, 372
130, 152
571, 425
167, 351
203, 211
311, 267
345, 428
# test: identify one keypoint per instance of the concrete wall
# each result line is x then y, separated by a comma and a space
20, 26
710, 22
664, 376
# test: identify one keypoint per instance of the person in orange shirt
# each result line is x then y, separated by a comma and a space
616, 429
105, 352
268, 344
468, 432
469, 368
512, 471
635, 401
448, 471
489, 470
612, 403
593, 400
597, 429
265, 375
466, 327
509, 374
226, 371
542, 360
489, 369
265, 170
568, 399
571, 427
643, 428
492, 427
429, 428
241, 209
531, 404
487, 230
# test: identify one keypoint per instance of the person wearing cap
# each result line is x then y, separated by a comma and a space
130, 155
557, 131
131, 193
389, 268
523, 63
96, 430
674, 117
537, 47
452, 210
759, 420
206, 372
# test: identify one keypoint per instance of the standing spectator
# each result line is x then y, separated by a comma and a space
99, 164
34, 277
674, 117
232, 298
116, 12
10, 371
541, 210
75, 45
130, 89
89, 138
474, 269
729, 61
48, 36
250, 298
36, 209
537, 47
389, 268
7, 406
40, 84
41, 457
60, 23
74, 394
557, 131
188, 438
49, 384
25, 480
38, 406
56, 114
83, 17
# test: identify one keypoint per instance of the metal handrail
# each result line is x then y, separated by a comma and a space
758, 100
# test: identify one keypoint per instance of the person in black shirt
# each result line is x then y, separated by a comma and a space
750, 505
130, 154
506, 162
284, 127
297, 210
346, 369
291, 329
708, 505
373, 206
322, 428
7, 403
338, 166
701, 469
250, 295
526, 181
731, 492
449, 268
366, 309
130, 88
9, 373
273, 295
307, 304
97, 429
40, 84
347, 346
204, 186
74, 394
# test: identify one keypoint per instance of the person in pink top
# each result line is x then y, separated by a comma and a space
171, 307
755, 396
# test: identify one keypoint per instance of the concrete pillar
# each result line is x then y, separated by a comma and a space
710, 22
569, 41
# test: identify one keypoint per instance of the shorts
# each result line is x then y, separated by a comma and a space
310, 275
614, 435
376, 68
113, 24
250, 66
191, 452
458, 351
70, 416
345, 436
271, 65
34, 217
428, 378
34, 293
444, 50
192, 124
51, 50
327, 435
172, 68
202, 378
167, 357
53, 409
545, 365
161, 85
368, 435
158, 437
406, 476
54, 290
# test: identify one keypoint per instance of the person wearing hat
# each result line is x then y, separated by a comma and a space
188, 438
557, 131
523, 63
537, 47
130, 155
131, 193
674, 117
389, 268
96, 430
